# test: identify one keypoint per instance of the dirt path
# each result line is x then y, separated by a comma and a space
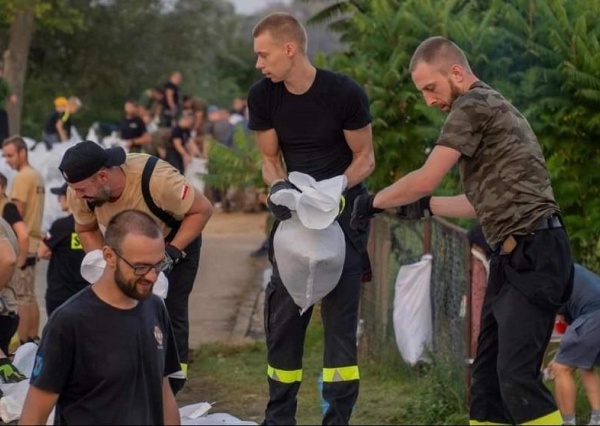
223, 298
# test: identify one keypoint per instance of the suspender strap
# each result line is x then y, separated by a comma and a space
169, 220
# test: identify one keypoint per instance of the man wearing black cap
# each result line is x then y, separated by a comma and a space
62, 248
103, 183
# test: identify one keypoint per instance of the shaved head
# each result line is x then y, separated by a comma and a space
440, 53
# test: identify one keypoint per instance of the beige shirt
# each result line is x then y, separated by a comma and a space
28, 188
8, 293
169, 189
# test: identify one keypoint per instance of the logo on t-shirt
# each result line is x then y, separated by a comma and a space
37, 367
75, 242
158, 335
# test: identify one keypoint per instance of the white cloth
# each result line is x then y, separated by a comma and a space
310, 247
93, 265
196, 414
412, 310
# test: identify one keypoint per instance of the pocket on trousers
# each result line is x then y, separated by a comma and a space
540, 267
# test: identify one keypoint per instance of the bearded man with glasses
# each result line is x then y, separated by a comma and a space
106, 353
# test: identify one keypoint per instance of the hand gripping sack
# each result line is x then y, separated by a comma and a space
310, 247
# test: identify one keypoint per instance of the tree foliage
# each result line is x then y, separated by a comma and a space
543, 55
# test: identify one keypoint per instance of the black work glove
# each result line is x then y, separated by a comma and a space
363, 211
415, 210
172, 256
280, 212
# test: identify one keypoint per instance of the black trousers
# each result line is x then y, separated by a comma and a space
181, 283
286, 331
525, 290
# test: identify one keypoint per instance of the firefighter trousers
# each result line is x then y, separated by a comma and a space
525, 290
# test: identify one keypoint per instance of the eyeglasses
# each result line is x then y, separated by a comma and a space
142, 270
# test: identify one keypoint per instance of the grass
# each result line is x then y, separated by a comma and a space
234, 377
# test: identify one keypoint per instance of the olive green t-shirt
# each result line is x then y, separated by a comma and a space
502, 167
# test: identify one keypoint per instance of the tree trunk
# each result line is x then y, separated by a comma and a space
15, 63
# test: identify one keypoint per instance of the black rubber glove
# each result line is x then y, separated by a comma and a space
415, 210
363, 211
280, 212
172, 256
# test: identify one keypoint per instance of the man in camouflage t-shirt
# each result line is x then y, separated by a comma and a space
507, 187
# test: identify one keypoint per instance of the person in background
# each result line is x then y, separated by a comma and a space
62, 248
9, 318
150, 103
106, 353
132, 128
50, 134
27, 193
65, 124
171, 102
178, 152
579, 348
10, 213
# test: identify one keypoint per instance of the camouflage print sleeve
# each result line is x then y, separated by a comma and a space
464, 127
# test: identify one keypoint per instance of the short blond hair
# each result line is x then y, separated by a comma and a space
283, 27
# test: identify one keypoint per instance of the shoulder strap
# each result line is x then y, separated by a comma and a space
169, 220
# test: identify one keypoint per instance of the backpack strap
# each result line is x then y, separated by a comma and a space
169, 220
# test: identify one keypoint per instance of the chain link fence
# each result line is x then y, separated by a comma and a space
394, 243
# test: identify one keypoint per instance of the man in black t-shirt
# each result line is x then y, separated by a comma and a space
177, 152
133, 129
106, 353
62, 247
171, 102
319, 122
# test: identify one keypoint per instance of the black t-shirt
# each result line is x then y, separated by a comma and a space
11, 214
64, 276
50, 126
132, 128
106, 364
310, 126
179, 133
175, 89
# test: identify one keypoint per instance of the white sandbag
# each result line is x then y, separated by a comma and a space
310, 261
11, 403
197, 414
25, 358
194, 172
92, 267
412, 310
310, 247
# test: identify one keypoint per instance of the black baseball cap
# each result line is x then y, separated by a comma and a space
60, 190
84, 159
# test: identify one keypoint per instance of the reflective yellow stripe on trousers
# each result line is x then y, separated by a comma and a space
341, 374
284, 376
549, 419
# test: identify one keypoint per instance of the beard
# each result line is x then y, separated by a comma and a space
102, 197
454, 92
130, 289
